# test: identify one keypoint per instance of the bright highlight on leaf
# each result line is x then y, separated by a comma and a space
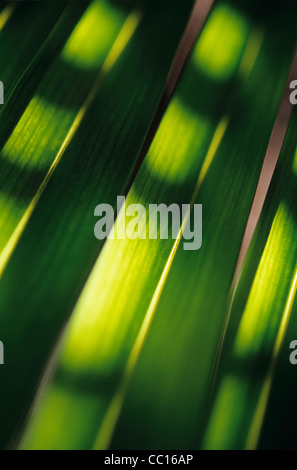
44, 118
159, 161
6, 14
219, 51
252, 353
93, 35
264, 293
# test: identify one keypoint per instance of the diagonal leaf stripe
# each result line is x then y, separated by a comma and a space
190, 313
262, 309
117, 318
19, 21
59, 246
145, 341
25, 86
45, 130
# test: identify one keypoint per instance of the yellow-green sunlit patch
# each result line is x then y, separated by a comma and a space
99, 310
57, 411
87, 45
220, 48
255, 429
259, 328
220, 430
264, 293
11, 210
170, 157
6, 14
45, 118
